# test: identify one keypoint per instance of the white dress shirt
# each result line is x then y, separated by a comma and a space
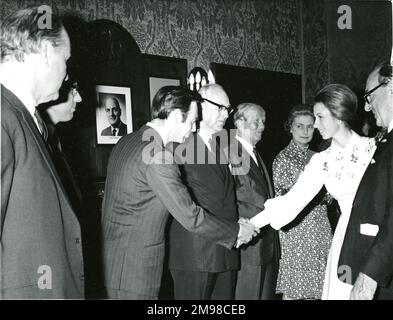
206, 138
390, 128
249, 148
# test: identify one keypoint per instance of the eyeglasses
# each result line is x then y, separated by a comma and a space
221, 107
367, 94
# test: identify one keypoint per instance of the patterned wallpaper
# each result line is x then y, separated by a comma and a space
315, 47
252, 33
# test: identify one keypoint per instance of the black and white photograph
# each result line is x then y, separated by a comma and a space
203, 153
114, 113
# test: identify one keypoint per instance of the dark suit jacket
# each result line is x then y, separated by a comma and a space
138, 196
252, 190
38, 226
211, 187
122, 130
373, 204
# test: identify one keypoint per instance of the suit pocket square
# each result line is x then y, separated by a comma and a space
369, 229
372, 161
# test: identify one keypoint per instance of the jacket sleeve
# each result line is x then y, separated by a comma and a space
379, 261
165, 182
282, 210
7, 172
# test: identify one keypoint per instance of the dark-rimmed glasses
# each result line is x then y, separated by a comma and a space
367, 94
221, 107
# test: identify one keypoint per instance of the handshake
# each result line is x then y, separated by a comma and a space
246, 232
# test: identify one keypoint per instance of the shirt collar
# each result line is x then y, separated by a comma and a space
205, 138
248, 146
390, 128
296, 148
352, 140
159, 130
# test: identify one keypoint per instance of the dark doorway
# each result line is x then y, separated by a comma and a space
276, 92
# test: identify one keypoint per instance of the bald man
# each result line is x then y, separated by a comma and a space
113, 114
201, 269
367, 252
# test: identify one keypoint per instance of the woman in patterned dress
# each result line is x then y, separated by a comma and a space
340, 168
305, 242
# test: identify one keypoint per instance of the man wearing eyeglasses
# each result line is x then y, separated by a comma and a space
201, 269
367, 251
52, 113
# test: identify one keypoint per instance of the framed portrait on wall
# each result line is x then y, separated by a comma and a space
113, 113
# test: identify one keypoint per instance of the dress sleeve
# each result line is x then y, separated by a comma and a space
282, 210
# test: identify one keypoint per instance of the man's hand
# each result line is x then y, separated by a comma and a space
246, 233
364, 288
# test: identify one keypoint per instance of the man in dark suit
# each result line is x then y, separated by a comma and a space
200, 268
257, 276
52, 113
143, 186
40, 239
367, 252
113, 114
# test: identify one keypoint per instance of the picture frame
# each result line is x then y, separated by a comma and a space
156, 83
164, 71
113, 113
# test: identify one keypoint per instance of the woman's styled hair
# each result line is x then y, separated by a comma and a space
340, 100
296, 111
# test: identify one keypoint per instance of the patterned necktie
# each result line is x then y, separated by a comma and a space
42, 125
114, 132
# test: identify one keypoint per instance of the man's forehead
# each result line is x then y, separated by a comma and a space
217, 95
256, 112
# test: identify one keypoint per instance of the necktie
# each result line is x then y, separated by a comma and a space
259, 160
264, 172
114, 131
380, 136
209, 143
42, 125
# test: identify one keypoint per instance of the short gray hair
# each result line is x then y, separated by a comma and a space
243, 108
20, 33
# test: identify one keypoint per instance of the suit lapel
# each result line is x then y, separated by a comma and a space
256, 173
43, 149
266, 178
20, 109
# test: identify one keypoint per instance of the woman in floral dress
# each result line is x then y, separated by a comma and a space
304, 244
340, 168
